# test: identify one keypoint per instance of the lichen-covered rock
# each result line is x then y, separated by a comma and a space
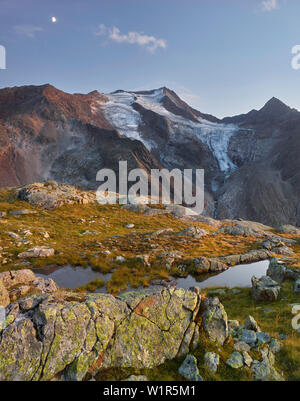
264, 289
235, 360
198, 265
212, 360
44, 336
251, 324
275, 346
241, 346
189, 369
263, 338
214, 320
248, 336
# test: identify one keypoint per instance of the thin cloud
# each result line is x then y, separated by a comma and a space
270, 5
27, 30
151, 43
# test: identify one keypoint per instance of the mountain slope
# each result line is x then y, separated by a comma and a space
251, 161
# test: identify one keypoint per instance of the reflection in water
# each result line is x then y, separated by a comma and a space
72, 277
237, 276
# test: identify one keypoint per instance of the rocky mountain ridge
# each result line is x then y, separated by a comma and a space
251, 161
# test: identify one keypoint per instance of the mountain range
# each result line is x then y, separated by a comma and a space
251, 161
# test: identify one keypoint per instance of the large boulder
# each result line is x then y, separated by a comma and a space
264, 289
45, 336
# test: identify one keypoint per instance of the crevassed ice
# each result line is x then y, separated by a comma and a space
119, 111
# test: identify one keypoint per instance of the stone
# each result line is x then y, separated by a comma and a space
268, 355
214, 320
241, 346
282, 336
241, 229
21, 212
275, 346
279, 272
120, 259
217, 265
251, 324
297, 286
235, 360
198, 265
193, 231
160, 232
247, 359
13, 235
46, 286
248, 336
17, 277
233, 324
262, 338
189, 369
284, 250
264, 289
180, 211
37, 252
211, 360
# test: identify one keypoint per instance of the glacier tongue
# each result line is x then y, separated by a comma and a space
120, 113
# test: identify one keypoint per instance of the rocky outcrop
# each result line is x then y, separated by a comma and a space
199, 265
44, 336
17, 284
264, 289
50, 195
279, 272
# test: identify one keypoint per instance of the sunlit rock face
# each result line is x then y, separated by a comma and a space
251, 161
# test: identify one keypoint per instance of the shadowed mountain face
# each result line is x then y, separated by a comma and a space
251, 162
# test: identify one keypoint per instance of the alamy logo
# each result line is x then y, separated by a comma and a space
296, 58
177, 187
296, 319
2, 58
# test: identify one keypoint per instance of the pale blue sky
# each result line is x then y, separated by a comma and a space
224, 57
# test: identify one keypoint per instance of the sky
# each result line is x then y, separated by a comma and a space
223, 57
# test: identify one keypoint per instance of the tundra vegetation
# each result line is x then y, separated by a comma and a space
139, 248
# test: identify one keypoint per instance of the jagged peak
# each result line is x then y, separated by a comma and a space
274, 102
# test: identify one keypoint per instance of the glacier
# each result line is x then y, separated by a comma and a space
119, 111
